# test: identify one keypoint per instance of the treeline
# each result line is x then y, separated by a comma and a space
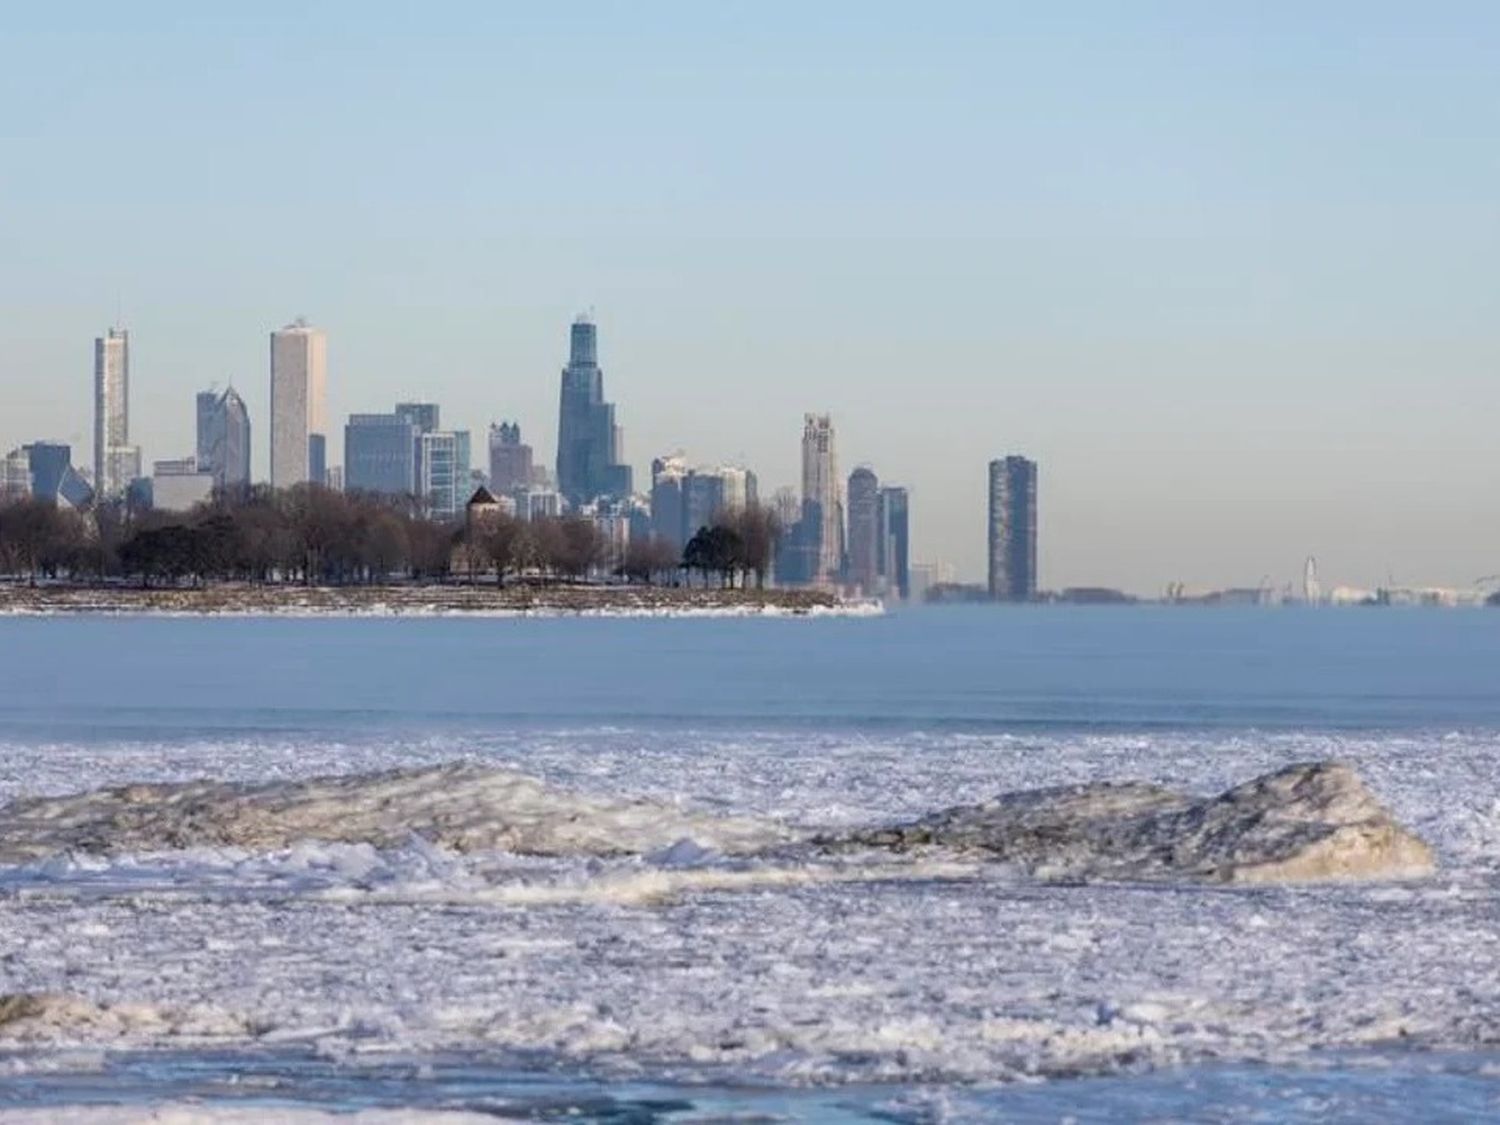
312, 535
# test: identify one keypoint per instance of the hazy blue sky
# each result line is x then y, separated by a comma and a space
1229, 272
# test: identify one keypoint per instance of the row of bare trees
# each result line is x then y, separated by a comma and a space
313, 535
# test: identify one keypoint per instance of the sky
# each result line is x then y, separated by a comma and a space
1228, 272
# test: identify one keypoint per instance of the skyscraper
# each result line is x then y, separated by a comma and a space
380, 454
299, 392
205, 404
895, 541
114, 456
510, 459
443, 473
223, 447
1012, 529
589, 453
864, 530
821, 502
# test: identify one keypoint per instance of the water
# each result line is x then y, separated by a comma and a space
351, 977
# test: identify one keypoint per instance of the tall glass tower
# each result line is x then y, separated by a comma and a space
589, 455
1012, 529
116, 461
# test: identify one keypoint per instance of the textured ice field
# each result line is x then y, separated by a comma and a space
689, 964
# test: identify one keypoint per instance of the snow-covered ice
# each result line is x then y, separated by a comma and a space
690, 958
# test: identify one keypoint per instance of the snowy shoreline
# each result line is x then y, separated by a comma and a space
425, 601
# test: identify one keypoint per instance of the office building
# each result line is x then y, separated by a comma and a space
223, 446
380, 454
53, 477
589, 442
685, 499
537, 503
510, 459
179, 485
895, 542
299, 391
15, 475
864, 531
443, 479
122, 463
821, 499
113, 453
425, 416
667, 518
1012, 530
205, 404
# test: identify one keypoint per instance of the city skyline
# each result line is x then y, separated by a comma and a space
1226, 275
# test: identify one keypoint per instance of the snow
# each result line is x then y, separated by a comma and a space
691, 959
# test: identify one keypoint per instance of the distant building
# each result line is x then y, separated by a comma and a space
380, 454
112, 449
667, 513
15, 475
334, 478
482, 510
510, 459
590, 455
864, 541
539, 503
299, 393
443, 473
1094, 595
821, 499
204, 403
1012, 530
923, 579
684, 499
786, 508
425, 416
179, 485
122, 463
223, 447
895, 542
741, 487
53, 477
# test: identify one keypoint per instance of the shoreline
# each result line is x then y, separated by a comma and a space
447, 600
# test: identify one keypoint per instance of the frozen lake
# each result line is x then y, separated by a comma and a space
686, 983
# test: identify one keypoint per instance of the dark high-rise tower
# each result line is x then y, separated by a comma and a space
895, 541
864, 530
588, 440
1012, 529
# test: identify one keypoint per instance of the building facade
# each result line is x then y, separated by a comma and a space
380, 454
443, 479
895, 542
590, 456
1012, 530
223, 446
864, 531
299, 404
113, 453
684, 499
15, 475
510, 459
822, 501
179, 485
53, 476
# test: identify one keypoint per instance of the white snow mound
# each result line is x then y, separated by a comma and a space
1308, 822
461, 807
